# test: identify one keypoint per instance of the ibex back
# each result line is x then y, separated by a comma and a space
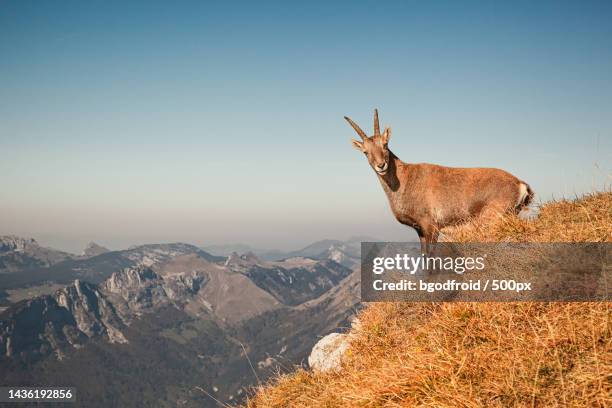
428, 197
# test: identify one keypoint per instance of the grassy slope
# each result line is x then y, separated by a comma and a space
476, 354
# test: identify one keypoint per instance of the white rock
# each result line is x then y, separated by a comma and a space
327, 354
265, 363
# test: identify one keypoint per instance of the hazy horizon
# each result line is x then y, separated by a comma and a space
77, 248
214, 123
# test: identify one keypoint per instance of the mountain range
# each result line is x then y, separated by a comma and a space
344, 252
174, 322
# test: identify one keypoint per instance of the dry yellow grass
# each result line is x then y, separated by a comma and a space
588, 219
475, 354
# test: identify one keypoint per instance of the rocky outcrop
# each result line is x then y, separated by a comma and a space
49, 324
134, 290
327, 354
10, 243
93, 314
18, 253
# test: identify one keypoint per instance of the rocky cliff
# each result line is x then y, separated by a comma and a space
18, 253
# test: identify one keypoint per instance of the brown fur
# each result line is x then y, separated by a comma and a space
429, 197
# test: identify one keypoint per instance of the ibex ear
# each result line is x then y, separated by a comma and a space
386, 135
358, 145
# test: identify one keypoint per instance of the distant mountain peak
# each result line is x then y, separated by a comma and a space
15, 243
17, 253
232, 258
94, 249
245, 260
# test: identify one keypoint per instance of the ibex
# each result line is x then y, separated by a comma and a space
428, 197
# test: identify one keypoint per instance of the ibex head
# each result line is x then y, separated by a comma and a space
375, 147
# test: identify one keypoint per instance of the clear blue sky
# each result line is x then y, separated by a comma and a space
222, 122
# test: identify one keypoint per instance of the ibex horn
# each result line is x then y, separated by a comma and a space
376, 124
357, 128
